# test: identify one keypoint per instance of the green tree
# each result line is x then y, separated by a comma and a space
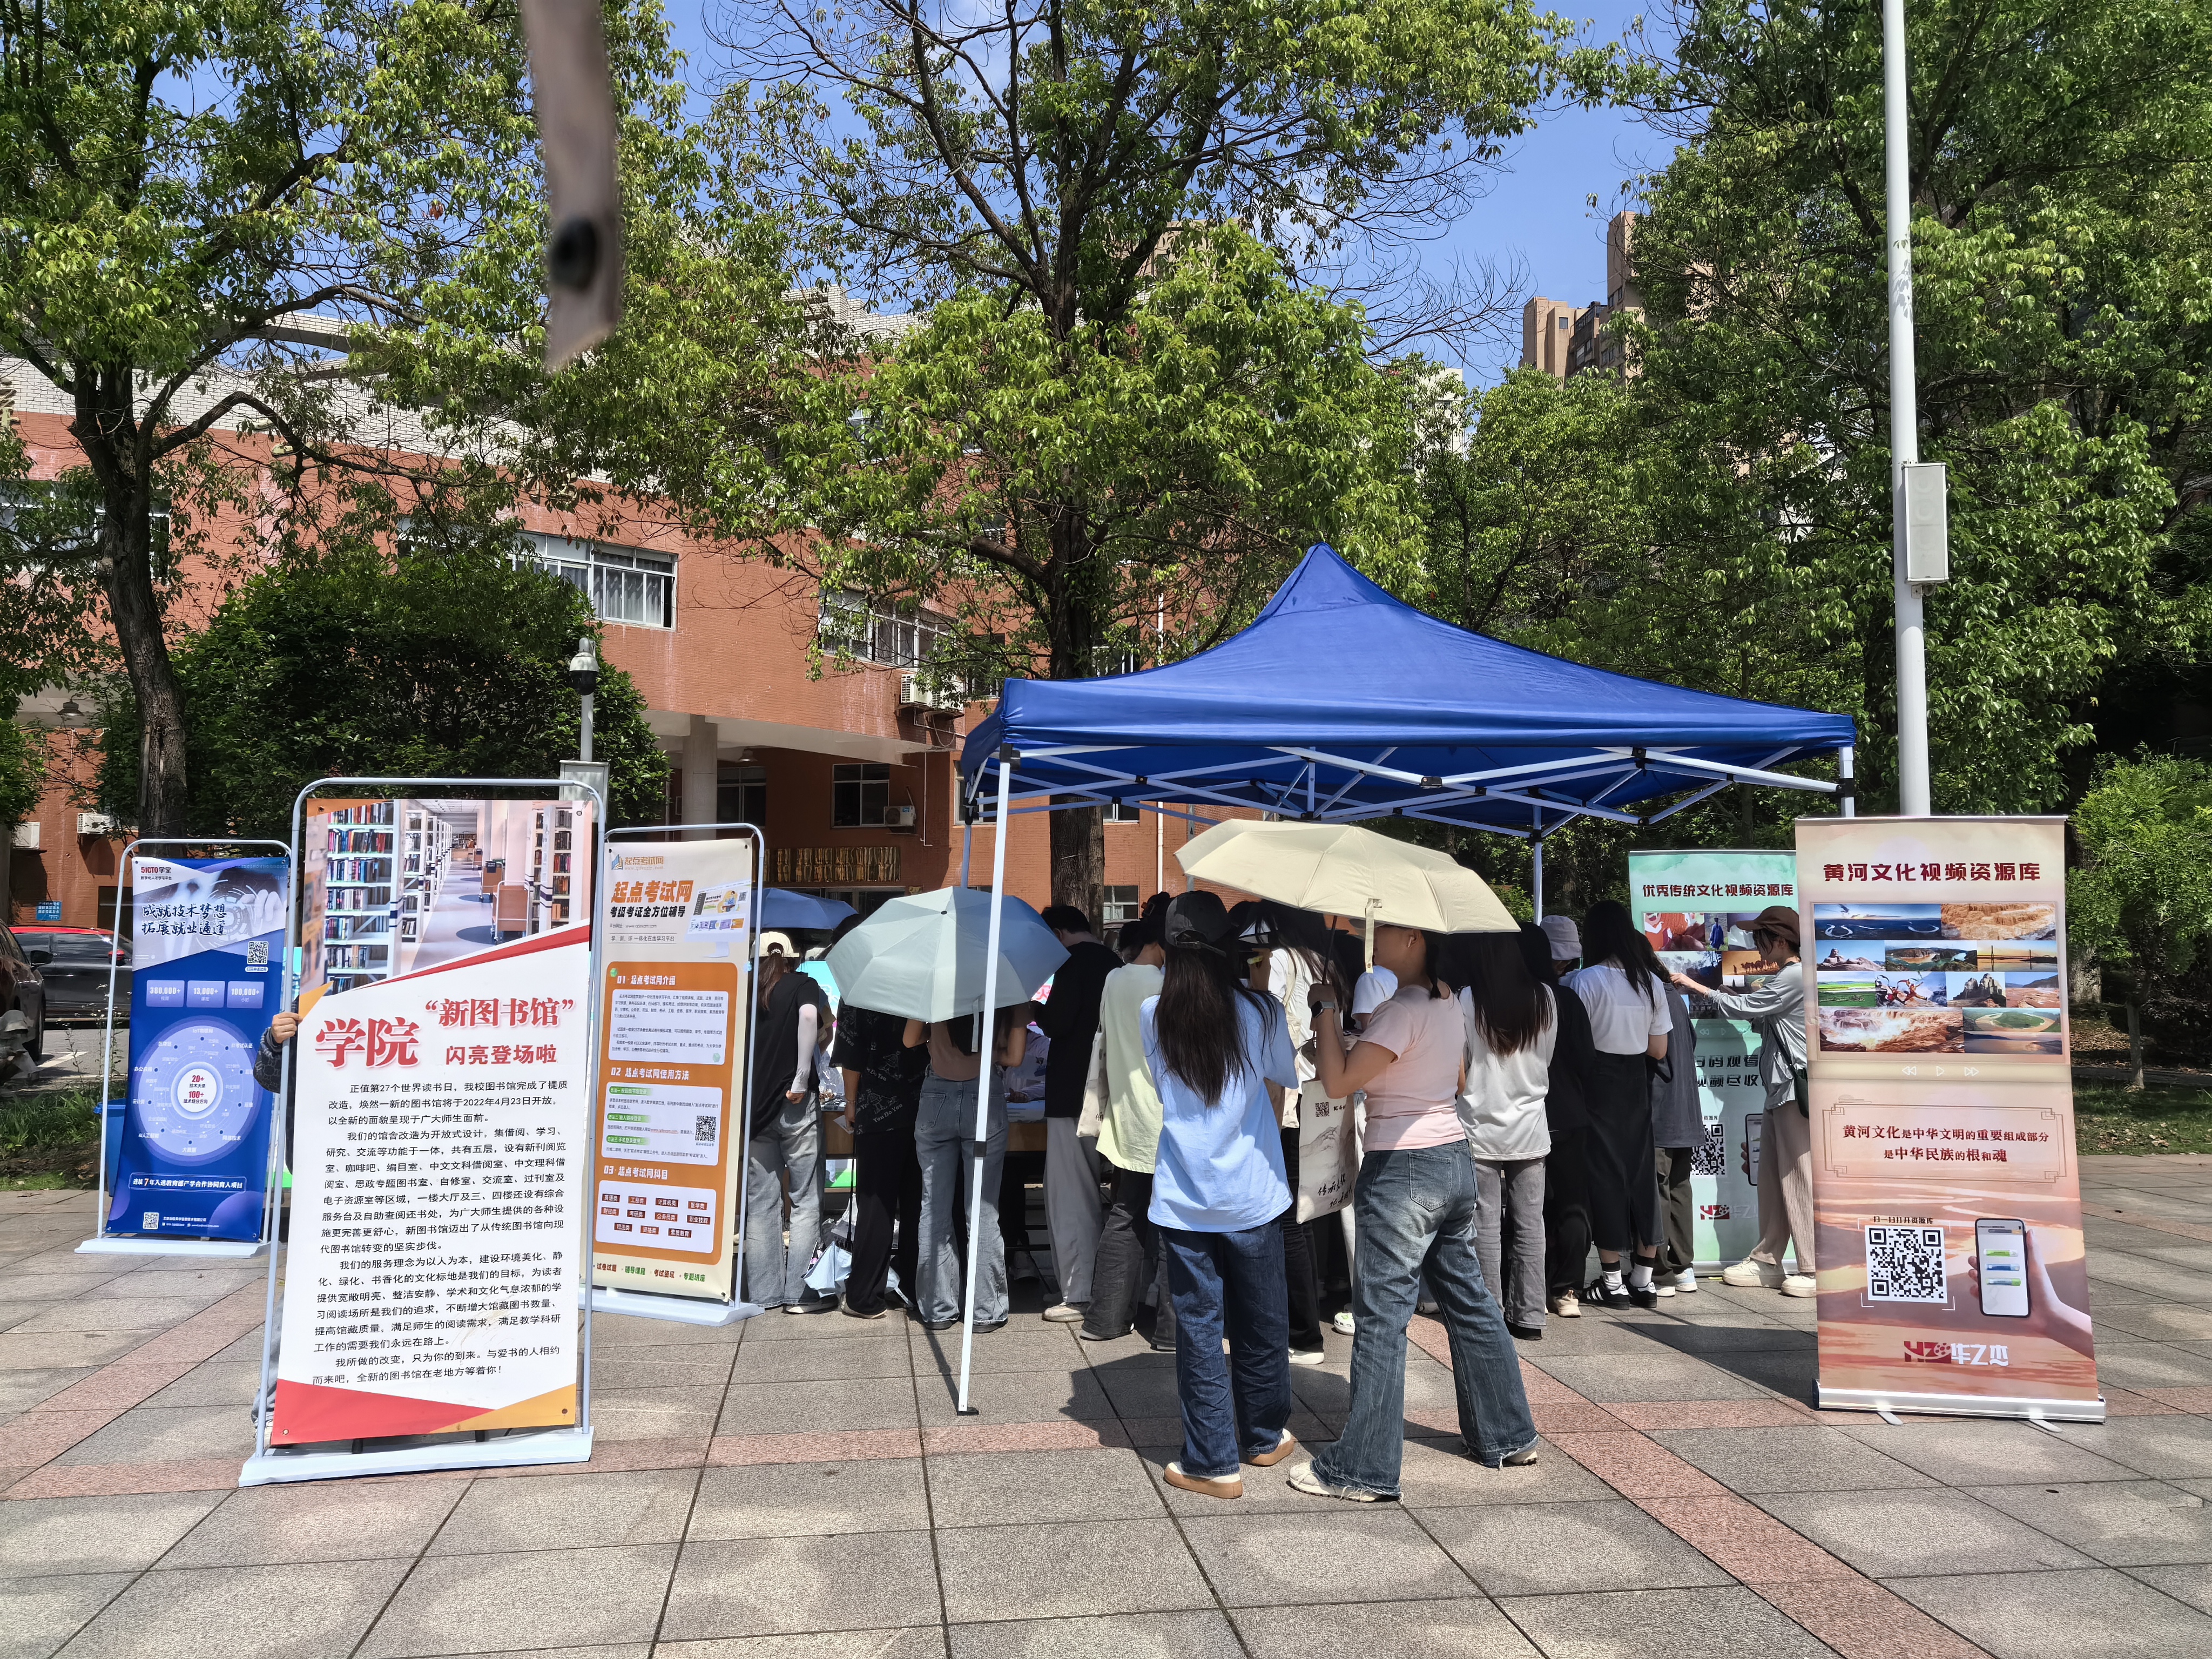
1044, 178
2063, 289
2143, 895
447, 663
177, 176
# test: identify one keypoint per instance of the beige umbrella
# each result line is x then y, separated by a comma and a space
1342, 869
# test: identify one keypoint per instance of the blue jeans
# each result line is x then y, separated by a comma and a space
787, 1142
944, 1145
1415, 1211
1230, 1284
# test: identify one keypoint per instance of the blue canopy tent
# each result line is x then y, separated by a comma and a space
1340, 702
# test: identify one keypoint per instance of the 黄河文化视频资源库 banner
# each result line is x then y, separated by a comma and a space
1953, 1269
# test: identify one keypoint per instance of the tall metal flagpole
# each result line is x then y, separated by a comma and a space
987, 1047
1903, 423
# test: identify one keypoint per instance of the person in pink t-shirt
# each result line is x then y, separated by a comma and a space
1415, 1200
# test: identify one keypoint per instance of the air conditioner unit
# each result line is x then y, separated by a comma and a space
95, 823
27, 834
915, 692
898, 818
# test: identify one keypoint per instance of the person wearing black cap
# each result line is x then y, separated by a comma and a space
1776, 1008
1220, 1057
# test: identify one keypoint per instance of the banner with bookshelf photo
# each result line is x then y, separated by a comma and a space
433, 1285
837, 867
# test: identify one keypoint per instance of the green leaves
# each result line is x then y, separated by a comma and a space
2143, 893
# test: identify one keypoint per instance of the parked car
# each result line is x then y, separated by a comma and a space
74, 963
22, 989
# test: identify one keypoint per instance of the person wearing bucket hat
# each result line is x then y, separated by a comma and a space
1221, 1058
1775, 1009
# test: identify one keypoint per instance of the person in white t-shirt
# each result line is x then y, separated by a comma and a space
1626, 992
1511, 1024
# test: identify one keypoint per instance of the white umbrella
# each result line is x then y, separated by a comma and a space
923, 955
1340, 869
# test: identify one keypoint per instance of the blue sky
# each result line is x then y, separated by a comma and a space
1537, 213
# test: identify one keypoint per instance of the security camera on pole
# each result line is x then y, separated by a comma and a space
1922, 555
584, 676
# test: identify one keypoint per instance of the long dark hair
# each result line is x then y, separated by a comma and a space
1200, 1036
1609, 935
1510, 1008
1536, 952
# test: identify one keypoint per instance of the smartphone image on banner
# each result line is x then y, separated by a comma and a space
1753, 1126
2001, 1259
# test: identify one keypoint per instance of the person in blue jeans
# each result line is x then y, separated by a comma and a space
1219, 1054
1415, 1200
944, 1145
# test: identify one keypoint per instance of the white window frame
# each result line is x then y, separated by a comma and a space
646, 581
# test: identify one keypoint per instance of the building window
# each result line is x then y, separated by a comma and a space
859, 795
1122, 906
1123, 812
741, 795
623, 584
882, 631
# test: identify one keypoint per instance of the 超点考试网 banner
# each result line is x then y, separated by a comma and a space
1695, 908
207, 937
1952, 1275
675, 939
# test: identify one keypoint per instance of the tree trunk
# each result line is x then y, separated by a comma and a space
2135, 1047
106, 428
1079, 858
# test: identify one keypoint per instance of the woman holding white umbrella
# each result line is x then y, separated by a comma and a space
944, 1133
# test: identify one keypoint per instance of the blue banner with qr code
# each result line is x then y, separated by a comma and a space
207, 947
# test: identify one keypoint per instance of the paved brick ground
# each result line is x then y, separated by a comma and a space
801, 1489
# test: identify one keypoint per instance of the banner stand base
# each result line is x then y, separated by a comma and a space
236, 1249
683, 1311
508, 1451
1961, 1405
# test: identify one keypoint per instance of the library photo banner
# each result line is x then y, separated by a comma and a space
1693, 907
1954, 1275
207, 937
676, 940
443, 1115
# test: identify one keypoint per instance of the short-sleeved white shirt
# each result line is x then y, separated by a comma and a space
1621, 1020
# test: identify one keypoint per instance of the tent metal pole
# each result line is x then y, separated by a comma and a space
968, 844
987, 1047
1536, 845
1846, 760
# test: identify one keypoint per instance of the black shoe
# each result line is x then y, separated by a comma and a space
1648, 1297
1526, 1333
940, 1324
1605, 1298
996, 1325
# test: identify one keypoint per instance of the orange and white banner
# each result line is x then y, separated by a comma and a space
1952, 1267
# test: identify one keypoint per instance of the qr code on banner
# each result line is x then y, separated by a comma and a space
1906, 1264
1709, 1156
705, 1129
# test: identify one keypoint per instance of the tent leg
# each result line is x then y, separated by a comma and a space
986, 1046
1846, 760
1537, 844
967, 847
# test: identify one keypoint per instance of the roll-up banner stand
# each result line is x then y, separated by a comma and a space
1693, 907
677, 937
194, 1172
1954, 1277
433, 1310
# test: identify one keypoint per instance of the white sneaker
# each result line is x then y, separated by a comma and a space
1567, 1305
1752, 1275
1343, 1324
1801, 1284
1309, 1357
1067, 1313
1686, 1281
1662, 1289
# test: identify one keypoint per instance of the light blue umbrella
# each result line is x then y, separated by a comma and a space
780, 908
922, 954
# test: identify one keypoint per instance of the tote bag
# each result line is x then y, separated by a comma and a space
1328, 1153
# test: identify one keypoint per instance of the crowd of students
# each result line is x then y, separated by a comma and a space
1518, 1100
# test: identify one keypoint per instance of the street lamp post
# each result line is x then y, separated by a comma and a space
584, 675
1913, 798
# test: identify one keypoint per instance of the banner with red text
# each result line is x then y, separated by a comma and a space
441, 1128
677, 946
1953, 1271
